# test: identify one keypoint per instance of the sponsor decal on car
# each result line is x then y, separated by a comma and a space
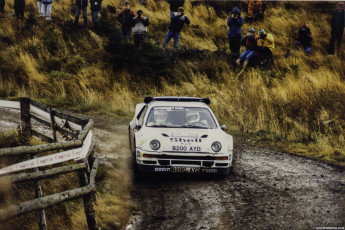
188, 140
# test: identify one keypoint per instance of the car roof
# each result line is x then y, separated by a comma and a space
178, 103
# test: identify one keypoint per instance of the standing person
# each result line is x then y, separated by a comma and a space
96, 6
337, 24
265, 46
40, 8
126, 19
2, 6
235, 22
252, 5
304, 38
81, 5
140, 23
47, 8
19, 7
251, 46
174, 5
177, 22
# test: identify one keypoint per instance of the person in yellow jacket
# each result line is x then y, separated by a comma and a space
265, 46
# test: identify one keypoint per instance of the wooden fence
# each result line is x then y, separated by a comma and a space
63, 132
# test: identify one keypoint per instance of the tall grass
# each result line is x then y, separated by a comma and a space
298, 100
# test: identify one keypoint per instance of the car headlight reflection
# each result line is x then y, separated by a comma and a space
216, 146
155, 145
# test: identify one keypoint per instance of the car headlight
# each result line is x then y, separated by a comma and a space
155, 145
216, 146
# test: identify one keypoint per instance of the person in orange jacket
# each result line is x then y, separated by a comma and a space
251, 6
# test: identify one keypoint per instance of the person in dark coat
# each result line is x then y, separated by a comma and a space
19, 7
177, 22
2, 6
304, 38
140, 23
126, 19
96, 6
174, 5
251, 46
81, 5
235, 22
337, 24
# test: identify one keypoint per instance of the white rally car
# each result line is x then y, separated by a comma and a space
179, 135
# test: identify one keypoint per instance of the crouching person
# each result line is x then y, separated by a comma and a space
265, 46
140, 23
251, 46
304, 38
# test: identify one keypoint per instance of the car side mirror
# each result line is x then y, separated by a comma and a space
137, 126
223, 127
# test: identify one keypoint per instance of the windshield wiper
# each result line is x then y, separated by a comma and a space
163, 126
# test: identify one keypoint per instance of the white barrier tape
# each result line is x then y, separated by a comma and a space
73, 154
10, 104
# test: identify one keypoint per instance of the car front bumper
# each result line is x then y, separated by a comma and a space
183, 163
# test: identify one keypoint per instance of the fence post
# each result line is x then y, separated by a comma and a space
38, 194
52, 120
25, 116
87, 200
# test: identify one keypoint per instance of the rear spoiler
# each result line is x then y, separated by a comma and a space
205, 100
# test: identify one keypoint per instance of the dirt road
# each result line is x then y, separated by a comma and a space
268, 190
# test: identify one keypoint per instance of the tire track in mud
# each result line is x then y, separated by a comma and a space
268, 190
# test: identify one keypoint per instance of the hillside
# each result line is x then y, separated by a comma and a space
296, 102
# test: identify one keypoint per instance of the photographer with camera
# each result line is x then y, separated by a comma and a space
140, 22
177, 22
235, 22
265, 46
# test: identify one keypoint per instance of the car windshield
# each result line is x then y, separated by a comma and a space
180, 117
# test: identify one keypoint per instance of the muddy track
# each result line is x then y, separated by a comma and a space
268, 189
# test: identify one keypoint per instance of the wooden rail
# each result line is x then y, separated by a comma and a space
79, 146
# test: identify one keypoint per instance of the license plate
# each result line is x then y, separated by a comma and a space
185, 170
186, 148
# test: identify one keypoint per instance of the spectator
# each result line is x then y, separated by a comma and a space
337, 24
177, 22
174, 5
47, 8
140, 30
126, 19
2, 6
235, 22
252, 5
96, 6
81, 5
304, 38
251, 46
40, 8
19, 7
265, 46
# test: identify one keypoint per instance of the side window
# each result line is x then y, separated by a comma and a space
141, 116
